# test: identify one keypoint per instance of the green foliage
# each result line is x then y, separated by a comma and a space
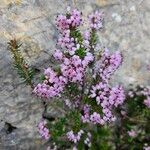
58, 128
81, 52
93, 39
92, 102
72, 88
74, 118
100, 140
25, 72
42, 77
76, 34
136, 119
58, 131
135, 105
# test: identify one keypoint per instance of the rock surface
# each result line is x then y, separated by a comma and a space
32, 21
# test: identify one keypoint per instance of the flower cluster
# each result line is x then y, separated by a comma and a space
43, 130
73, 19
86, 39
108, 64
65, 41
106, 97
66, 23
96, 20
148, 67
96, 119
52, 86
58, 55
74, 137
73, 69
117, 96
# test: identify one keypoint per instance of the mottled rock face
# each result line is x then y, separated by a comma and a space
32, 21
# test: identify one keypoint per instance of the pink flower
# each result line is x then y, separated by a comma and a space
75, 18
61, 22
58, 55
86, 117
108, 64
146, 148
117, 96
107, 98
44, 132
147, 102
64, 22
132, 133
96, 20
74, 137
52, 86
87, 59
73, 69
95, 118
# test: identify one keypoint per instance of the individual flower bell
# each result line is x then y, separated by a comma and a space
132, 133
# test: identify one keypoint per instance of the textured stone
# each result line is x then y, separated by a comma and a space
32, 21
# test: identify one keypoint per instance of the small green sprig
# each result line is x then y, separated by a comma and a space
75, 33
94, 37
25, 72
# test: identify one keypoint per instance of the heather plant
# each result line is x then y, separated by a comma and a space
94, 114
84, 78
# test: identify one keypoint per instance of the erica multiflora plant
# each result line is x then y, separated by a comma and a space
94, 114
83, 77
